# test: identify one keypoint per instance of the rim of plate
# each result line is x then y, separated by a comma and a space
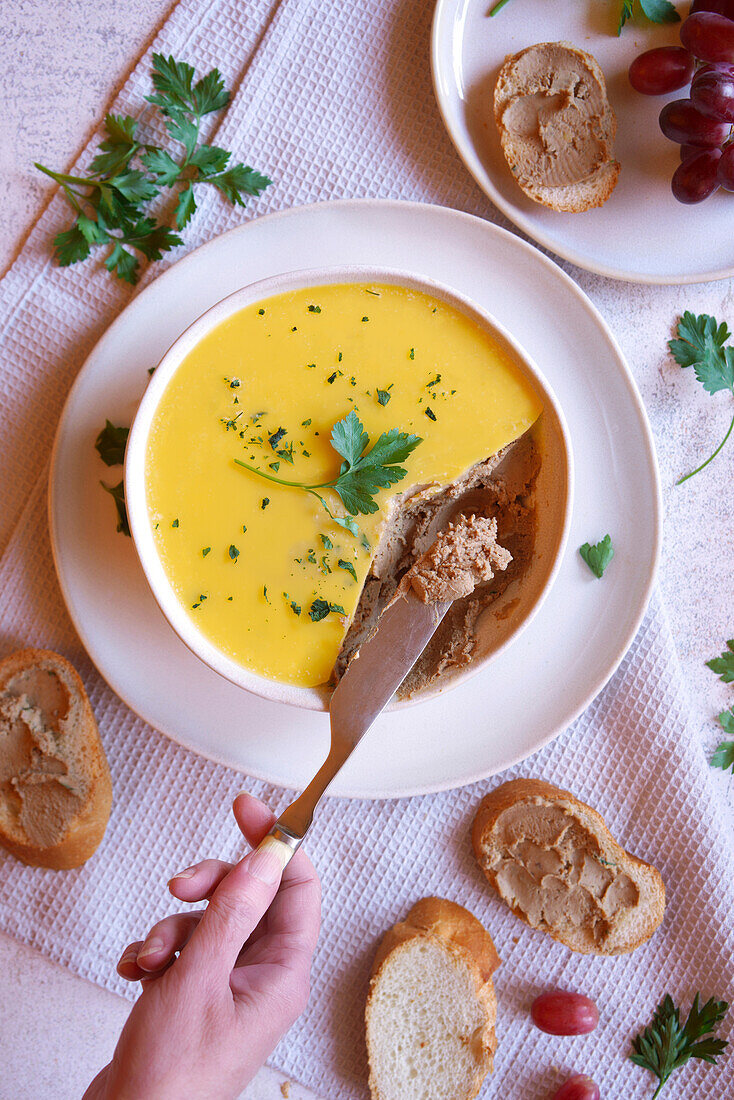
468, 154
630, 385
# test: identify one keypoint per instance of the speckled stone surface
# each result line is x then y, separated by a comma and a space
60, 62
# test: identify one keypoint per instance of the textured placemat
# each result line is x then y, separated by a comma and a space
334, 100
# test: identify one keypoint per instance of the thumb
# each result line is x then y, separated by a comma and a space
235, 909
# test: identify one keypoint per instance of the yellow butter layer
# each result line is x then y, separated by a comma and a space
249, 558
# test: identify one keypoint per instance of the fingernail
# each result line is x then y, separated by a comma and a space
266, 865
150, 947
188, 873
128, 957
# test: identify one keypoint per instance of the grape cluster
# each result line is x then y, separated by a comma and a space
701, 124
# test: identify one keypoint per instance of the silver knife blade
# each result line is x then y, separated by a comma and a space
372, 678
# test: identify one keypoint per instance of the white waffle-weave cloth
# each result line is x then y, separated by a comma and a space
334, 100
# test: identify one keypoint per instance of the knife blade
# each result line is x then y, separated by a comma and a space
372, 677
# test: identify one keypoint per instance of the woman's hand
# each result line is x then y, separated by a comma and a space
207, 1020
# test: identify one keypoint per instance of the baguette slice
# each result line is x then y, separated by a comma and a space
431, 1008
55, 789
553, 861
556, 126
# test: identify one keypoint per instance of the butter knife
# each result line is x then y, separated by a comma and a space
372, 677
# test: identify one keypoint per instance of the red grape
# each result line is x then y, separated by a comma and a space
721, 7
682, 122
662, 70
687, 151
696, 178
725, 169
578, 1087
709, 37
561, 1013
712, 93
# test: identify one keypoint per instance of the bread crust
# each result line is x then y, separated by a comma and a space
577, 197
651, 907
469, 942
87, 828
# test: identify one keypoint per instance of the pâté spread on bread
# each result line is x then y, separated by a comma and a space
557, 126
268, 561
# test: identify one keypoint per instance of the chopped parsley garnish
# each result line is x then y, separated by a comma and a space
434, 382
233, 385
411, 353
110, 444
383, 396
205, 551
376, 293
365, 319
274, 466
305, 423
347, 565
312, 556
265, 593
265, 500
233, 552
339, 357
244, 528
326, 542
175, 523
430, 413
598, 555
295, 608
261, 313
314, 309
332, 378
321, 608
276, 437
324, 566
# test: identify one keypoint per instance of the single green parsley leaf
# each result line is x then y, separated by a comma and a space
110, 444
660, 11
134, 185
723, 756
723, 666
123, 264
726, 720
92, 231
151, 239
598, 555
210, 93
117, 492
666, 1045
162, 165
348, 567
321, 608
71, 246
185, 207
173, 82
121, 128
239, 180
209, 160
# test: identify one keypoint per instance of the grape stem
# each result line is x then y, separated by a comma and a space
710, 459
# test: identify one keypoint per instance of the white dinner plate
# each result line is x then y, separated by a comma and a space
532, 690
641, 233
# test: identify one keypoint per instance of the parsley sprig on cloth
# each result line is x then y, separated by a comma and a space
111, 200
667, 1044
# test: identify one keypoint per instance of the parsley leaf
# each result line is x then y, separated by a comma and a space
723, 666
71, 246
110, 444
185, 207
238, 180
162, 165
723, 756
347, 565
702, 344
598, 555
383, 397
117, 492
363, 473
666, 1045
321, 608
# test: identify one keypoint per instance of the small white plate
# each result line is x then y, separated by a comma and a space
641, 233
532, 690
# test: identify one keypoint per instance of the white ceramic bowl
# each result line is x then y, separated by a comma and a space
507, 615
